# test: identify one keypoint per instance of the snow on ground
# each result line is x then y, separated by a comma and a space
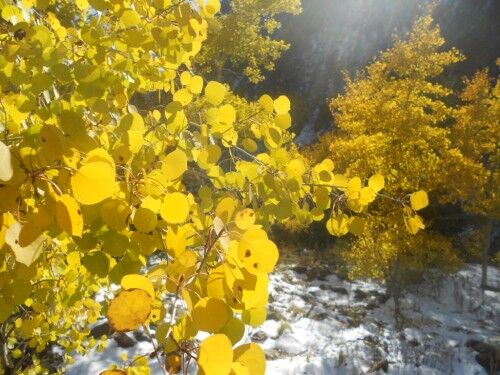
333, 326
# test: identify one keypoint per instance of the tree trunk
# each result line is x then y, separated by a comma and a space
394, 290
486, 248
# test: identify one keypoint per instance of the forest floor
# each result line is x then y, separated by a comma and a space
320, 324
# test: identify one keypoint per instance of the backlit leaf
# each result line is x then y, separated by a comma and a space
129, 310
216, 355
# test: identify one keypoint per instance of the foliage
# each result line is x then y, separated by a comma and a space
392, 120
168, 201
476, 137
242, 37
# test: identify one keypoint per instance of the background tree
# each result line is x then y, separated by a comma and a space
476, 136
241, 38
392, 120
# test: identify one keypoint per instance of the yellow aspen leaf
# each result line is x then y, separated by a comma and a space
175, 208
173, 363
209, 156
283, 121
136, 281
295, 168
42, 217
245, 219
211, 8
132, 121
216, 355
249, 144
24, 253
99, 155
185, 328
419, 200
113, 372
12, 13
93, 182
267, 103
122, 153
96, 262
259, 255
366, 196
73, 258
71, 157
29, 233
130, 18
356, 225
281, 105
225, 209
145, 220
273, 137
151, 203
376, 182
52, 143
174, 165
184, 264
185, 78
196, 85
234, 329
211, 314
134, 140
227, 116
183, 96
340, 181
115, 213
328, 164
215, 92
337, 225
176, 240
255, 316
252, 357
414, 224
239, 369
255, 289
129, 310
354, 187
69, 216
215, 283
6, 171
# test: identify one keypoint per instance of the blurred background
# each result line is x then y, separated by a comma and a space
331, 36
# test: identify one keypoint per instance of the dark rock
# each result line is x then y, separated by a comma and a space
52, 358
100, 330
383, 298
340, 290
359, 295
414, 342
382, 364
370, 339
259, 336
275, 315
337, 289
123, 340
140, 336
273, 354
320, 316
488, 355
307, 298
300, 269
